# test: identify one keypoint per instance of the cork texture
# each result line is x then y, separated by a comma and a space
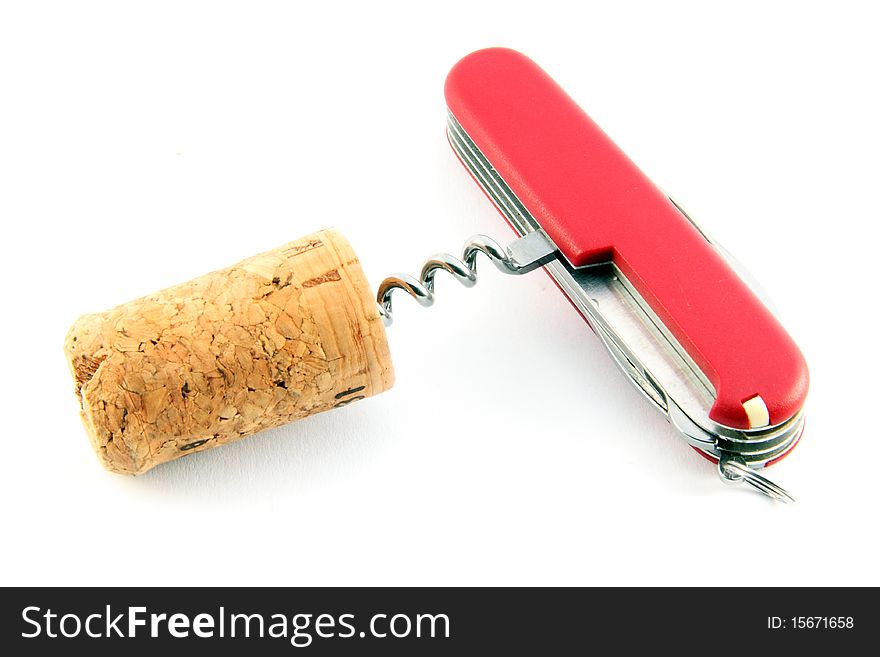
279, 336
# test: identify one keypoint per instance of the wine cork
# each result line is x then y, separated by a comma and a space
279, 336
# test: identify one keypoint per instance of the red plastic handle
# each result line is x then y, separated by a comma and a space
596, 205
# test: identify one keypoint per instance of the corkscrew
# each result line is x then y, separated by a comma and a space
295, 330
525, 255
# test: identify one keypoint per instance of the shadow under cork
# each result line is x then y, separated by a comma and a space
270, 467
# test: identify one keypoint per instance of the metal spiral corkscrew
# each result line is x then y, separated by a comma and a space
524, 255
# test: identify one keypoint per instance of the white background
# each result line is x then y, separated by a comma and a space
142, 144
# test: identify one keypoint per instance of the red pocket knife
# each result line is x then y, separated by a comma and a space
670, 309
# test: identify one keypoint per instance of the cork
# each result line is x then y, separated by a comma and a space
285, 334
